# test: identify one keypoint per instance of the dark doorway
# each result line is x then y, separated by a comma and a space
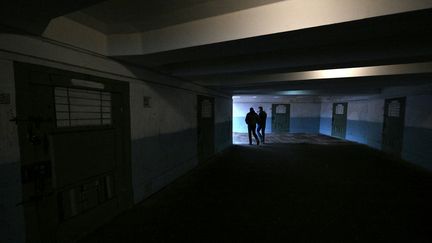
205, 126
74, 139
339, 120
393, 127
280, 118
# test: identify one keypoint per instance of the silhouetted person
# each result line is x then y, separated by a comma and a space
251, 120
262, 117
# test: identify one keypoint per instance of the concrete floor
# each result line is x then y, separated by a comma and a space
306, 192
243, 138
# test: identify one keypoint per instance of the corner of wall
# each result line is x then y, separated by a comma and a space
12, 226
70, 32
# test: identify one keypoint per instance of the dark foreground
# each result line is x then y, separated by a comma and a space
334, 192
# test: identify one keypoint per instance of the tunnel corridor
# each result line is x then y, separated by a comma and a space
324, 190
124, 121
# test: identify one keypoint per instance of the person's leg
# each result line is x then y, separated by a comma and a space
258, 132
255, 136
263, 134
250, 135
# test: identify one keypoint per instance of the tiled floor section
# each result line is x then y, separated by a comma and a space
292, 192
242, 138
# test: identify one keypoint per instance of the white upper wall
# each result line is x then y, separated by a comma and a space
419, 111
305, 110
297, 109
326, 110
39, 51
171, 99
170, 111
241, 109
366, 110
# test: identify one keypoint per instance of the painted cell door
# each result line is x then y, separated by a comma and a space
280, 118
74, 141
205, 127
393, 127
339, 120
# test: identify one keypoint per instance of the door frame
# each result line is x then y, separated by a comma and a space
333, 132
402, 110
203, 156
59, 77
273, 118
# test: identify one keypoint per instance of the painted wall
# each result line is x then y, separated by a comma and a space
326, 118
223, 123
11, 216
163, 145
163, 137
365, 121
417, 143
304, 117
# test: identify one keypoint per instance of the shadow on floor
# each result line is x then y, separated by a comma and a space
340, 192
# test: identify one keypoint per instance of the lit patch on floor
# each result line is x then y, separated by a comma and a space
271, 138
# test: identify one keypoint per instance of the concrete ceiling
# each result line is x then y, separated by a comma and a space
269, 46
275, 63
119, 16
32, 17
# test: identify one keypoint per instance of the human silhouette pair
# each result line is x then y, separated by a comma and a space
252, 119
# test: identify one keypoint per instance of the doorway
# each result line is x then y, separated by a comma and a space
339, 120
74, 137
280, 118
393, 127
205, 127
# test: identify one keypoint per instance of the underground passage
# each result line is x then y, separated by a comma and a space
315, 190
215, 121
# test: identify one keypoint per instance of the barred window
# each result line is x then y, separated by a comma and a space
394, 109
80, 107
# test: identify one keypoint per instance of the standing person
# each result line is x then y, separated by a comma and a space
262, 117
251, 120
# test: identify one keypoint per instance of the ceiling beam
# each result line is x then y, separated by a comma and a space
32, 17
263, 20
325, 74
